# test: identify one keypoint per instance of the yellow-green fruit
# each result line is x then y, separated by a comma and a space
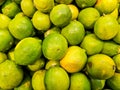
38, 80
114, 82
106, 27
54, 46
44, 6
5, 20
21, 26
27, 51
116, 59
64, 1
92, 44
6, 40
100, 66
73, 32
74, 59
41, 21
56, 78
28, 7
11, 74
60, 15
3, 57
79, 81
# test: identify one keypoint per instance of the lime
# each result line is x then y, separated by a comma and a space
116, 59
106, 27
30, 52
21, 26
56, 78
79, 81
8, 72
92, 44
54, 46
6, 41
64, 1
74, 60
95, 70
60, 15
88, 17
74, 32
3, 57
44, 6
41, 21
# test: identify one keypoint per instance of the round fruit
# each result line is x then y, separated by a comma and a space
100, 66
60, 15
11, 74
27, 51
116, 59
64, 1
3, 57
56, 78
54, 46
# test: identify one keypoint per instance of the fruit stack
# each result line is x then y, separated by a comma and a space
59, 44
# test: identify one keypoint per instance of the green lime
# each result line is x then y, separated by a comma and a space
64, 1
116, 59
3, 57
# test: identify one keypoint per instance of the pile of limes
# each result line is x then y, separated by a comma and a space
59, 44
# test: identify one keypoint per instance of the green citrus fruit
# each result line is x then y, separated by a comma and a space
73, 32
44, 6
85, 3
106, 27
116, 59
60, 15
5, 20
17, 1
54, 46
26, 52
88, 17
74, 60
11, 54
92, 44
3, 57
64, 1
11, 75
41, 21
100, 66
6, 41
25, 4
79, 81
38, 80
56, 78
21, 26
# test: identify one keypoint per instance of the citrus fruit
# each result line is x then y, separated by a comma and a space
21, 26
85, 3
6, 41
41, 21
74, 11
74, 60
64, 1
25, 4
106, 6
74, 32
39, 77
8, 72
5, 21
10, 8
79, 81
3, 57
116, 59
92, 44
110, 48
51, 63
30, 52
100, 66
114, 82
11, 54
38, 64
88, 17
56, 78
60, 15
44, 6
54, 46
106, 27
97, 84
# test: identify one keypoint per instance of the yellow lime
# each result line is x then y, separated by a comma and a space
44, 5
11, 74
74, 60
11, 54
60, 15
100, 66
88, 17
116, 59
